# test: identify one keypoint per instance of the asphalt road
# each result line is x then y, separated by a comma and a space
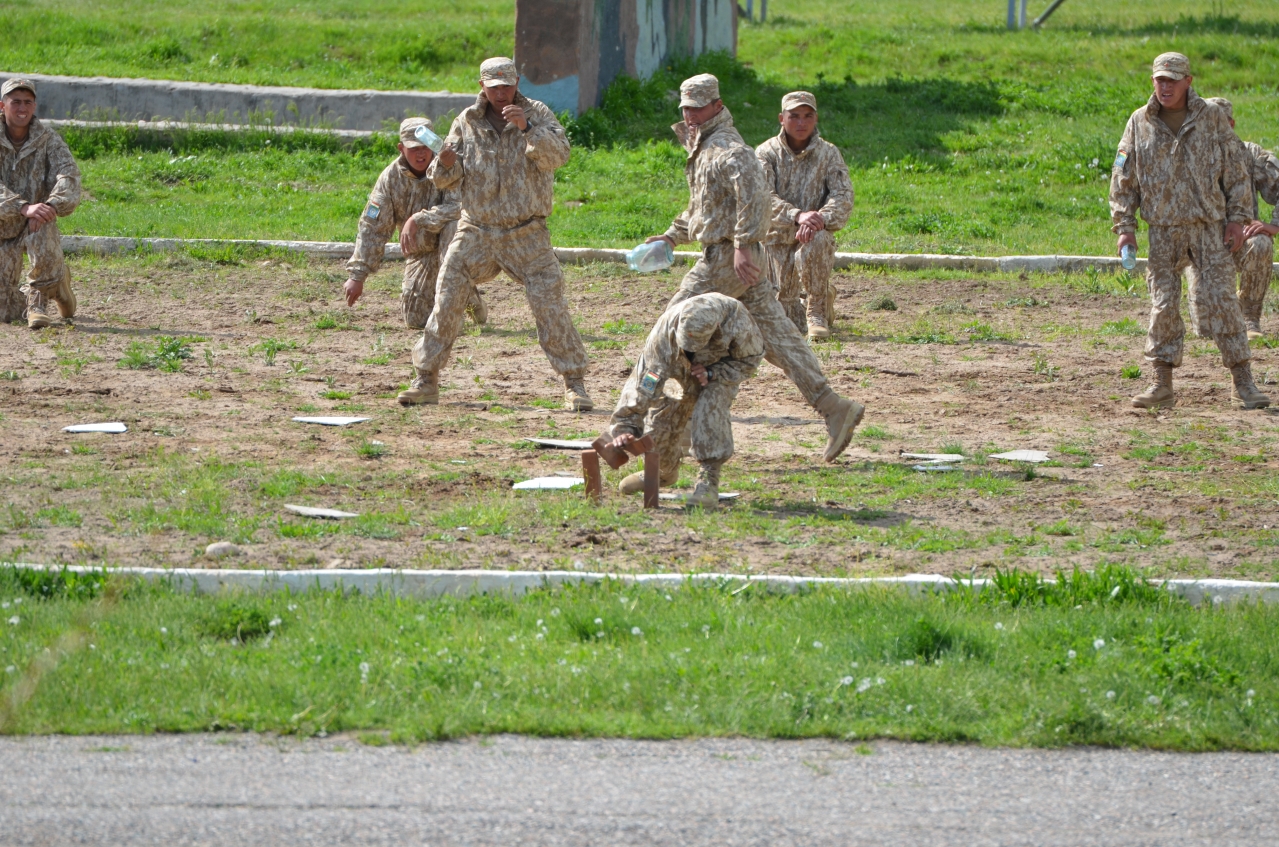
242, 790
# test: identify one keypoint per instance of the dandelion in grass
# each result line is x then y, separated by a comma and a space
1110, 695
1099, 643
668, 597
478, 685
1250, 693
511, 639
563, 661
539, 621
364, 672
1153, 700
4, 605
636, 631
854, 665
555, 613
15, 620
1070, 654
817, 645
164, 630
293, 607
10, 669
275, 622
910, 707
999, 625
622, 599
908, 662
706, 630
599, 621
848, 680
865, 685
540, 636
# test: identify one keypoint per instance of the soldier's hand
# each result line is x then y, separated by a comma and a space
38, 214
1126, 238
1259, 228
408, 234
700, 374
622, 440
812, 220
353, 288
747, 271
515, 115
805, 234
448, 156
1234, 236
666, 238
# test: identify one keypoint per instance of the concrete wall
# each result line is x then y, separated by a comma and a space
148, 99
568, 51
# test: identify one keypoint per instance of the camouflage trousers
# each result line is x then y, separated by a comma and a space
803, 270
1172, 250
477, 255
784, 345
1255, 263
44, 249
417, 293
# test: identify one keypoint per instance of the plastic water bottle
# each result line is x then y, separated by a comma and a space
430, 139
653, 256
1128, 257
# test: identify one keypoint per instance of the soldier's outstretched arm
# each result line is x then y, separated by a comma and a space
449, 178
435, 218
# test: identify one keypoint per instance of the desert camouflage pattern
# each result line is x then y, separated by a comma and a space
1173, 249
1254, 262
42, 171
732, 351
396, 196
813, 180
1198, 176
503, 179
698, 91
504, 182
784, 345
525, 254
728, 200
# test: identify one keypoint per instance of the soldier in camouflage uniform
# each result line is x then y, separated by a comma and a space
728, 212
404, 200
708, 344
1255, 261
39, 183
1177, 161
500, 161
812, 198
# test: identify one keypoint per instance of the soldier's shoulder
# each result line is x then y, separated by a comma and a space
770, 148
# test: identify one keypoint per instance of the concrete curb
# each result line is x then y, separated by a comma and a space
110, 245
424, 584
151, 99
184, 126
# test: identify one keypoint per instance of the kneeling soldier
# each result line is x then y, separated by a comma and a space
39, 183
812, 198
708, 344
404, 200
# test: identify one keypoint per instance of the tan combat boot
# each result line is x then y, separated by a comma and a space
575, 397
706, 492
1159, 395
64, 296
842, 417
425, 390
37, 309
1245, 394
1252, 318
634, 483
476, 308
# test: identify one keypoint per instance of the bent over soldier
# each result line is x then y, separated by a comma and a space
1178, 162
405, 200
1255, 260
709, 345
728, 212
500, 160
39, 183
812, 198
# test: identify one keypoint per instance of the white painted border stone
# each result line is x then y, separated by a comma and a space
425, 584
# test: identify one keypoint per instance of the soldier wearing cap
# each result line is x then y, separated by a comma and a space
500, 161
708, 344
1178, 162
39, 183
403, 200
1255, 260
729, 210
812, 198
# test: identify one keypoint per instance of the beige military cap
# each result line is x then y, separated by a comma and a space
1223, 104
407, 127
1171, 65
799, 98
698, 91
16, 83
499, 71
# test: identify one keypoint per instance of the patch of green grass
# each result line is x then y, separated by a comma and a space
621, 326
166, 354
60, 516
1018, 664
335, 320
1125, 326
271, 346
370, 449
1130, 371
882, 303
335, 394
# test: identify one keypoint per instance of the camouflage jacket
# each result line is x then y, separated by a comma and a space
728, 198
813, 180
503, 179
43, 171
1196, 176
733, 348
1265, 179
396, 196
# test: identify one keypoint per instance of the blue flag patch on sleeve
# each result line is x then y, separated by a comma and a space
1121, 160
648, 382
373, 211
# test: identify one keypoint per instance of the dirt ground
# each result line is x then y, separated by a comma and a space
980, 364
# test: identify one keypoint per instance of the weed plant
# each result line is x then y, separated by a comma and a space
1099, 658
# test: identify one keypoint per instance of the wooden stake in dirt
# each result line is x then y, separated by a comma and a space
652, 479
591, 471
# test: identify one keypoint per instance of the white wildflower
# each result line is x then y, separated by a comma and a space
864, 685
10, 669
910, 707
478, 686
848, 680
817, 645
1110, 695
1070, 654
15, 620
1153, 700
164, 630
909, 662
555, 613
293, 607
275, 622
636, 631
999, 626
1251, 693
599, 621
1099, 643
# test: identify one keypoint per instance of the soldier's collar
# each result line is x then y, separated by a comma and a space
34, 132
692, 139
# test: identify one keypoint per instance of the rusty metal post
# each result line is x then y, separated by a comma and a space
652, 479
591, 471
